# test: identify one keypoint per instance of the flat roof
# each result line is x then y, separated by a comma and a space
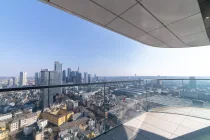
158, 23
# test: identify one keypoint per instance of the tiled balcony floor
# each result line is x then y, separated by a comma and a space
164, 124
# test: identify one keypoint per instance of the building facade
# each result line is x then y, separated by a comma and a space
15, 81
89, 78
10, 82
49, 78
85, 77
192, 82
23, 78
4, 135
28, 119
4, 117
13, 125
57, 76
69, 74
64, 76
36, 79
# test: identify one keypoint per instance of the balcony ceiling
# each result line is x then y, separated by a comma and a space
158, 23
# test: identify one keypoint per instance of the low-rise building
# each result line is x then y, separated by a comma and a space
54, 119
69, 125
71, 104
38, 135
4, 117
58, 117
28, 119
83, 126
42, 123
4, 135
2, 126
89, 134
17, 113
77, 116
38, 113
63, 107
68, 114
13, 125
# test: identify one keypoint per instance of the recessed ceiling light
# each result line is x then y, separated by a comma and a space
207, 17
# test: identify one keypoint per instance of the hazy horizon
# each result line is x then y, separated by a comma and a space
32, 40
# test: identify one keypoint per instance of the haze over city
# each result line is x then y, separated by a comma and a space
31, 42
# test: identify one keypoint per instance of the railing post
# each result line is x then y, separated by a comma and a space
182, 87
104, 108
146, 98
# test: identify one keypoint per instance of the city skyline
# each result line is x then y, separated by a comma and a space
31, 45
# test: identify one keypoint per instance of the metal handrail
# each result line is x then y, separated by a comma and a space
64, 85
84, 84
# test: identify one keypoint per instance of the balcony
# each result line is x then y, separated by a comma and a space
146, 109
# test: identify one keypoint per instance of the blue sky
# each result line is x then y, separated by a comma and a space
33, 35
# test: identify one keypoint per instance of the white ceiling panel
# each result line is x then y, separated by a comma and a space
125, 28
138, 16
167, 37
182, 18
86, 9
199, 39
187, 26
168, 11
151, 41
116, 6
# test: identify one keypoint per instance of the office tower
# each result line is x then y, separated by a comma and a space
192, 82
73, 73
49, 78
23, 78
89, 78
95, 78
73, 77
85, 77
69, 74
57, 75
36, 78
15, 81
10, 82
46, 97
57, 66
64, 75
79, 78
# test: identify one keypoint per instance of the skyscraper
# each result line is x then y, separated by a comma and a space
15, 81
47, 100
57, 66
36, 77
49, 78
57, 76
192, 82
89, 78
69, 74
64, 76
73, 76
85, 77
23, 78
10, 82
79, 78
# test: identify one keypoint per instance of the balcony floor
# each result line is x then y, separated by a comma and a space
185, 123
